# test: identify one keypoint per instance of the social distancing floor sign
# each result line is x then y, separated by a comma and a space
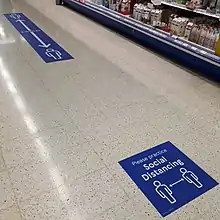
167, 177
44, 46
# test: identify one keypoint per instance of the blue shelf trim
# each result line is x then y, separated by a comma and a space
192, 57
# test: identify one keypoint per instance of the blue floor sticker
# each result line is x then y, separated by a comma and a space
46, 48
167, 177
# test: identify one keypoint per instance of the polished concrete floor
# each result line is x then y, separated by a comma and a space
64, 126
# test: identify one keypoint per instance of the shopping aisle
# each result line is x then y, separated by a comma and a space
65, 125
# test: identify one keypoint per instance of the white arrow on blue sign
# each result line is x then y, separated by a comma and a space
46, 48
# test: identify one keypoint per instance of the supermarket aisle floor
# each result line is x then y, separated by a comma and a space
65, 126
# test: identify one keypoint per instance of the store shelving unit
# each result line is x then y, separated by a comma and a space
198, 11
193, 56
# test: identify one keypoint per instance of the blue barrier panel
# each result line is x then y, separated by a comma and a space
46, 48
167, 177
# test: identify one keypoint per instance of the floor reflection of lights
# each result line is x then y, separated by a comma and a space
5, 39
43, 151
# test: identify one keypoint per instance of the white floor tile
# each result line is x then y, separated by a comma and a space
12, 127
21, 151
108, 214
136, 208
2, 162
96, 192
7, 198
64, 136
117, 144
4, 95
32, 179
76, 161
11, 213
50, 205
124, 180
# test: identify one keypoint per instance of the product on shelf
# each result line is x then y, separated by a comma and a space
196, 21
218, 7
188, 30
200, 30
156, 17
217, 48
123, 6
178, 26
193, 4
147, 14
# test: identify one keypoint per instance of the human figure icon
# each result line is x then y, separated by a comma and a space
55, 54
164, 191
190, 177
15, 16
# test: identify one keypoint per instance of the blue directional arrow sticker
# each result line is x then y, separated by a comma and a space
46, 48
167, 177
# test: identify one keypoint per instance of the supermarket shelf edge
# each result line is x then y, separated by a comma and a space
198, 11
191, 56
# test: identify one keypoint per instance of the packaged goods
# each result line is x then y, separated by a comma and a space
188, 30
201, 30
217, 47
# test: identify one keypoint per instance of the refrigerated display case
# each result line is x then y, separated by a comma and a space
160, 35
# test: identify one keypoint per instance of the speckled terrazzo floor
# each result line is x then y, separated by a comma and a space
64, 126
